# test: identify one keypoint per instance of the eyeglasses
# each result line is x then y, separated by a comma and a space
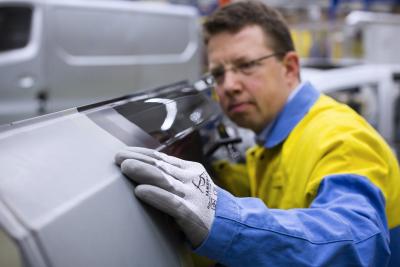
216, 76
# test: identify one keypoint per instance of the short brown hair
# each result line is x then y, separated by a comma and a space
234, 17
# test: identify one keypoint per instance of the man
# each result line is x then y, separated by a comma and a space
323, 186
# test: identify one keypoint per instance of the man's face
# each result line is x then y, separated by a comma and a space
251, 98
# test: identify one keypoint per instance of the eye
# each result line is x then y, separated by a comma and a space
246, 67
218, 74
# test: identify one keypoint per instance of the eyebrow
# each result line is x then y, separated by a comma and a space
241, 59
237, 60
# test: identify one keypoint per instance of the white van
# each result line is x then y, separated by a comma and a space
60, 54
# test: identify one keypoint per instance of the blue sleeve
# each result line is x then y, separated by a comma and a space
344, 226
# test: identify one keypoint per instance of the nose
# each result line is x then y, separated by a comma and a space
231, 83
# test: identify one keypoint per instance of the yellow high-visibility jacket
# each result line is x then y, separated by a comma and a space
328, 183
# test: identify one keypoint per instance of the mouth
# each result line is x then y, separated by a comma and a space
238, 107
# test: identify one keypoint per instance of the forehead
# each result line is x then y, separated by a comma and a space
247, 43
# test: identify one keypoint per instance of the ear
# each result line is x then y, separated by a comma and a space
291, 62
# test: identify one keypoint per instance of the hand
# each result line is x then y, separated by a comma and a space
182, 189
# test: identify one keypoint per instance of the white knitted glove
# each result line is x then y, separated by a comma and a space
182, 189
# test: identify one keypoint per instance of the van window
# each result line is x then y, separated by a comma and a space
15, 27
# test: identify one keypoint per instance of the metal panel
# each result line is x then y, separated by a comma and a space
58, 177
65, 201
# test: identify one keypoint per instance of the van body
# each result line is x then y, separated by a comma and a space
60, 54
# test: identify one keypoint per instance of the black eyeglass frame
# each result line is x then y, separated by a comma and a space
210, 77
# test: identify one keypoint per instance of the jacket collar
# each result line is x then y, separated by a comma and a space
292, 113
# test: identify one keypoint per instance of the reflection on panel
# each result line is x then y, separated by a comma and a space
169, 114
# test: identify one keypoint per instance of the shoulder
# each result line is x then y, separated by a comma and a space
334, 132
333, 121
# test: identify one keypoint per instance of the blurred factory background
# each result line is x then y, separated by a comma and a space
330, 32
58, 54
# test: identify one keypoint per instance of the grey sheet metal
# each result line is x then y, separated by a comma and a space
64, 201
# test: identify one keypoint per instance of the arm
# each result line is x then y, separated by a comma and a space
344, 226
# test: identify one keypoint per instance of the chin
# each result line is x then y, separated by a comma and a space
248, 124
243, 123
